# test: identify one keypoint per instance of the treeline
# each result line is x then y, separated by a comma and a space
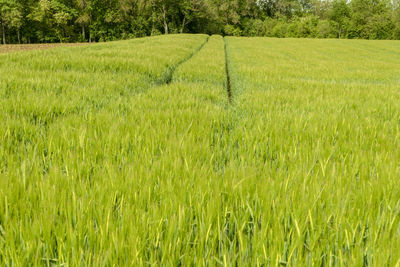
39, 21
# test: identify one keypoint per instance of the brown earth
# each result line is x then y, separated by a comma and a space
25, 47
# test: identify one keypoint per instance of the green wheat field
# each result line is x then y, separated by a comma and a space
196, 150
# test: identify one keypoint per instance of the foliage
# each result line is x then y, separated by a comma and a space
32, 21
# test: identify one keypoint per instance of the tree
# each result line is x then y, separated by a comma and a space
10, 17
371, 19
396, 20
84, 15
322, 9
340, 14
104, 20
188, 8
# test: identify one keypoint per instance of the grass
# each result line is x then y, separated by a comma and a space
322, 127
130, 153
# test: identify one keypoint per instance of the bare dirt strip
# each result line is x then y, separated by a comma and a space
27, 47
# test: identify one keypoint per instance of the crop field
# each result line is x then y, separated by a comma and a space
185, 150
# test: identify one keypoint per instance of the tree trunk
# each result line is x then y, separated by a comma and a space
183, 24
165, 20
90, 34
152, 21
62, 35
83, 32
19, 36
4, 33
340, 32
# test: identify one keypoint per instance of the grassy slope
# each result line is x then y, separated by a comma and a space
67, 139
299, 169
322, 136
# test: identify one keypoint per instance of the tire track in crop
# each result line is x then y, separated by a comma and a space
169, 74
228, 77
